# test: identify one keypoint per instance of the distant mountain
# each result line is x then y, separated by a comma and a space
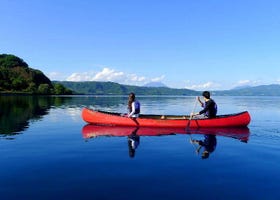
261, 90
111, 88
155, 84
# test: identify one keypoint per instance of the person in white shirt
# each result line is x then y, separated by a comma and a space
133, 106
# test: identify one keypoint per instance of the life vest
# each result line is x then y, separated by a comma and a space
137, 107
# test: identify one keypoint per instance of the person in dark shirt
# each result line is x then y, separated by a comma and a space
209, 106
209, 143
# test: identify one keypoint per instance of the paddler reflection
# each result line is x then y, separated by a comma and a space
133, 142
208, 144
205, 141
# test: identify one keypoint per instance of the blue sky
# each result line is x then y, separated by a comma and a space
195, 44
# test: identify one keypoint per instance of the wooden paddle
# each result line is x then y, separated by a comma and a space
191, 115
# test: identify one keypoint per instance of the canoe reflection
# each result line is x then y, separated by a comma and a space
133, 134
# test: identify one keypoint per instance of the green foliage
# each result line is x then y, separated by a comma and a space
16, 76
110, 88
10, 61
32, 88
60, 89
44, 89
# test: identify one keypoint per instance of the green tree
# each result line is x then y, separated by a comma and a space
10, 61
59, 89
44, 89
17, 83
31, 88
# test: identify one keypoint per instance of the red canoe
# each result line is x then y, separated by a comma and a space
167, 121
92, 131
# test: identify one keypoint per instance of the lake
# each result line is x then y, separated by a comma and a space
46, 153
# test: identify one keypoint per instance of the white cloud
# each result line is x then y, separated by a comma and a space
158, 79
248, 83
203, 86
107, 74
79, 77
134, 77
244, 82
55, 76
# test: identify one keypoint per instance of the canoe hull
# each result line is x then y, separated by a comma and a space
116, 119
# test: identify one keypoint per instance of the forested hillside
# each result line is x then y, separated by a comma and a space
111, 88
17, 77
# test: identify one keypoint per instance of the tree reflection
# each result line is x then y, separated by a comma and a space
16, 112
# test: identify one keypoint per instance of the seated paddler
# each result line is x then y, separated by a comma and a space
133, 106
209, 106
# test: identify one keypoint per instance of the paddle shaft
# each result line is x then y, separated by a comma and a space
191, 115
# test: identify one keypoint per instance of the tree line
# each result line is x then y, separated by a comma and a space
112, 88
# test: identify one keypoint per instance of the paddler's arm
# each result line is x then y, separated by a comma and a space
133, 110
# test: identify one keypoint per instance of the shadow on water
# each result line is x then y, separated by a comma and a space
16, 112
206, 145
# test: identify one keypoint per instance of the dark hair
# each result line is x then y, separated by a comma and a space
206, 94
131, 98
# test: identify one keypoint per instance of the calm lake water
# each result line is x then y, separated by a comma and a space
47, 154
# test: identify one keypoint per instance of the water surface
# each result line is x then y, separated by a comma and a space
45, 154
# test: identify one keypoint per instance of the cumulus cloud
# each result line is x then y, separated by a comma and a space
55, 76
107, 74
79, 77
203, 86
158, 79
244, 82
